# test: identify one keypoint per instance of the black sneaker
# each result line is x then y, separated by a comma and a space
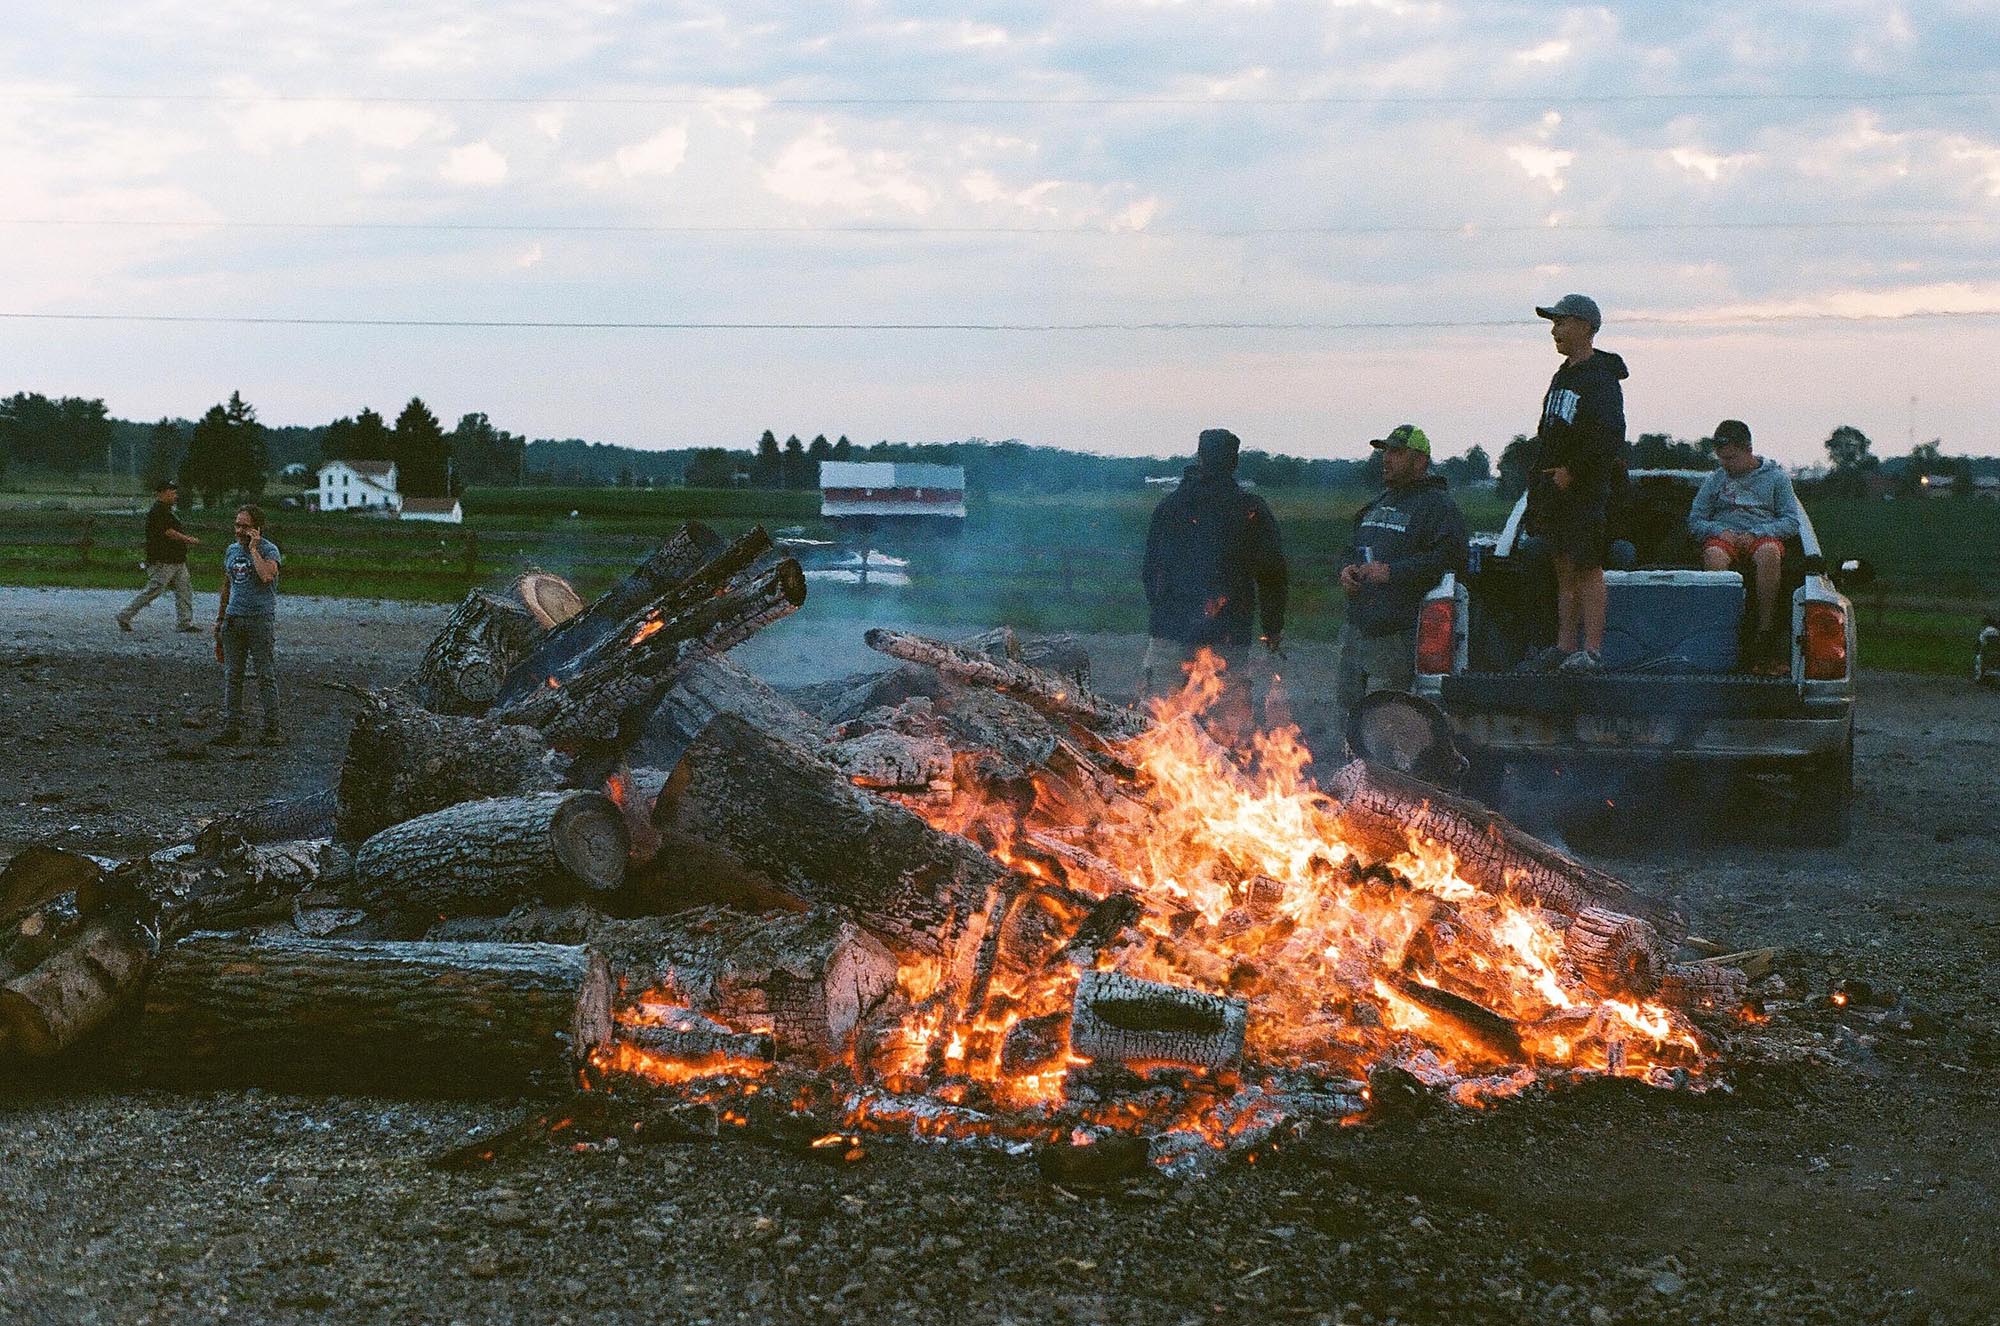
1547, 659
229, 736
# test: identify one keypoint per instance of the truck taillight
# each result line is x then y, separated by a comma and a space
1826, 642
1434, 644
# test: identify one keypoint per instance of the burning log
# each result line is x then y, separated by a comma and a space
1705, 987
73, 990
403, 762
789, 826
485, 637
1033, 1044
489, 855
1119, 1019
1498, 1036
714, 686
600, 706
808, 978
1616, 955
693, 1041
409, 1018
888, 761
692, 547
1052, 693
1385, 814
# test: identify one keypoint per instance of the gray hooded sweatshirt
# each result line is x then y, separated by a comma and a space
1760, 503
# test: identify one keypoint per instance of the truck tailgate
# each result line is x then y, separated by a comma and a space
1634, 694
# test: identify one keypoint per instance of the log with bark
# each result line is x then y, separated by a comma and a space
1384, 814
789, 827
415, 1019
714, 686
75, 989
1706, 987
690, 548
806, 979
403, 761
466, 662
1120, 1019
488, 856
1053, 693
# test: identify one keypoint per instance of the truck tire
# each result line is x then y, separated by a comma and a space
1825, 809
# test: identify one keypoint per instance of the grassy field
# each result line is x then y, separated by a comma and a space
1040, 562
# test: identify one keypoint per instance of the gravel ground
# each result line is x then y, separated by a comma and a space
1855, 1182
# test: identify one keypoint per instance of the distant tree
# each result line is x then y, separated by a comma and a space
337, 442
1478, 465
768, 469
207, 467
1516, 460
421, 453
1848, 449
800, 472
819, 449
843, 449
249, 459
713, 467
67, 434
163, 451
371, 438
483, 454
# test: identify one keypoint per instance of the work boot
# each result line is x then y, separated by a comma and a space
185, 628
124, 626
229, 736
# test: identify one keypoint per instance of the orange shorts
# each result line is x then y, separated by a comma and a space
1742, 556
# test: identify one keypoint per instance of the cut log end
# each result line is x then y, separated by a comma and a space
590, 840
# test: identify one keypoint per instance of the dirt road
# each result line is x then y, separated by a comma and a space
1857, 1186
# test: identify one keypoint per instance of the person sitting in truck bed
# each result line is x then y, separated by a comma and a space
1743, 513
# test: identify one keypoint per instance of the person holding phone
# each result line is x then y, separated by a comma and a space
245, 626
1579, 464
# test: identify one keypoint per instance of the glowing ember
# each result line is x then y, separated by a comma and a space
1228, 877
647, 630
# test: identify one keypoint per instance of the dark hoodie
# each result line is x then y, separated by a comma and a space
1583, 429
1212, 556
1420, 532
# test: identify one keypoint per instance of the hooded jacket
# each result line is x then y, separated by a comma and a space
1583, 430
1420, 532
1213, 559
1760, 502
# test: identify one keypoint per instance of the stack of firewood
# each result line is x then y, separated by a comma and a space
563, 839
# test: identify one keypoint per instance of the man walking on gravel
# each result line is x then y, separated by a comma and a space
1579, 463
166, 561
245, 625
1214, 565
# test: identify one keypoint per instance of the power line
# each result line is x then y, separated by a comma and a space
710, 99
1317, 325
1466, 229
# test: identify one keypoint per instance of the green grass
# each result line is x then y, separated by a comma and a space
1040, 562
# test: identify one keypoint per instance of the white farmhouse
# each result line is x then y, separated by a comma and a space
352, 485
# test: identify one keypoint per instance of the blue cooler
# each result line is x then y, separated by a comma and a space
1672, 621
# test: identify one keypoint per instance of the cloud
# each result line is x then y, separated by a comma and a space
1549, 52
661, 154
530, 257
1546, 164
1708, 165
478, 164
818, 171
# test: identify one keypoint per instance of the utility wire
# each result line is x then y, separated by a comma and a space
1467, 229
709, 99
542, 324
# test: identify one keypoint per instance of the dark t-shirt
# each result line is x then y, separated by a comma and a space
160, 548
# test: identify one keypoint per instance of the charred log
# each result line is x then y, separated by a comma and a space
1705, 987
889, 761
790, 826
308, 815
692, 547
1119, 1019
714, 686
1614, 954
694, 1041
1052, 693
1385, 814
410, 1018
1492, 1033
40, 873
489, 855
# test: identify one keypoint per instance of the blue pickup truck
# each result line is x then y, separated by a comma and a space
1674, 690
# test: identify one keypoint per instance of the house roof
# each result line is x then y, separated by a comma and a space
439, 505
367, 469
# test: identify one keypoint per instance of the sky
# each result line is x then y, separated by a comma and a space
1103, 226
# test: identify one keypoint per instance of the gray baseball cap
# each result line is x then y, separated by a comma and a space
1574, 306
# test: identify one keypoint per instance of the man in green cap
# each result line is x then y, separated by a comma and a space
1404, 542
